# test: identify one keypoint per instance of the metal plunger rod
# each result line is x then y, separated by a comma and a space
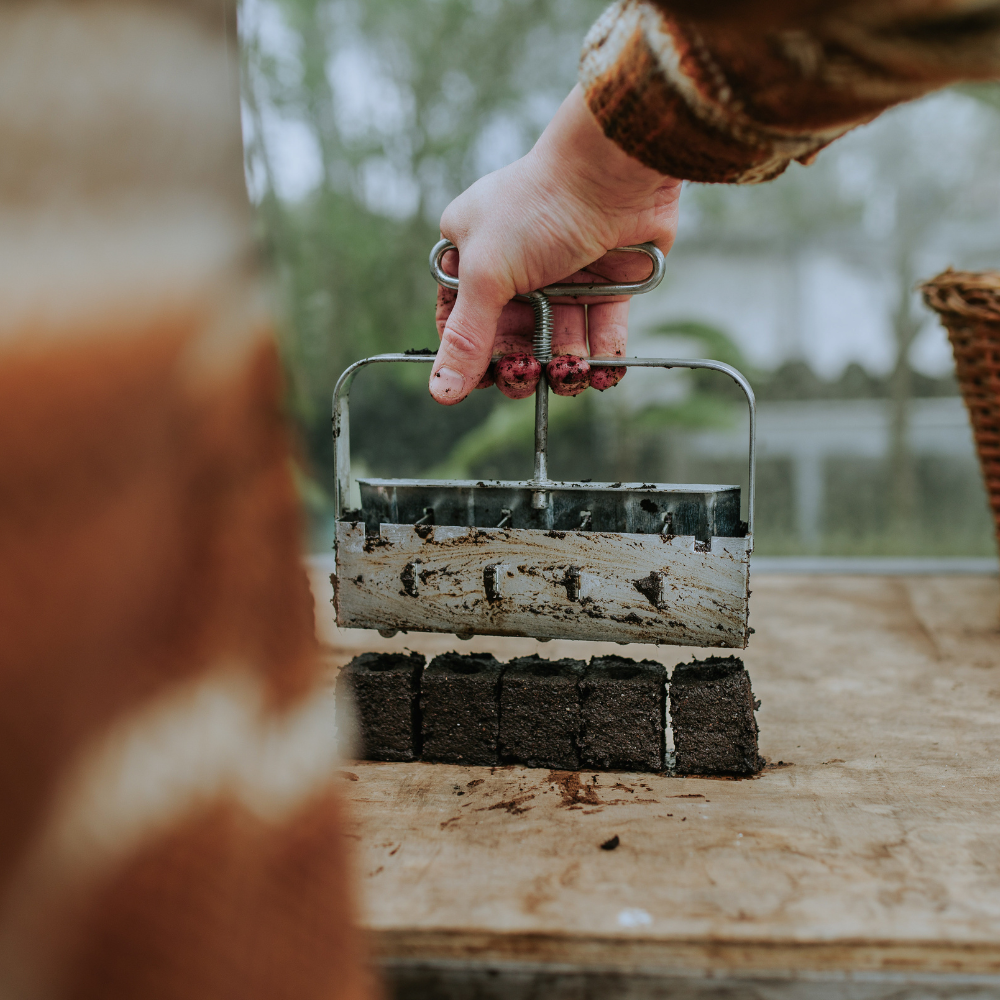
542, 430
543, 353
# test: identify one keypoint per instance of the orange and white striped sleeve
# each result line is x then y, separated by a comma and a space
171, 825
732, 91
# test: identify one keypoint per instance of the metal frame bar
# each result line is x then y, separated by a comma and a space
341, 422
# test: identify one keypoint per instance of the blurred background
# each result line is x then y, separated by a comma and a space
362, 120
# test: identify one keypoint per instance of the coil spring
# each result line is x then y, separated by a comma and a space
543, 326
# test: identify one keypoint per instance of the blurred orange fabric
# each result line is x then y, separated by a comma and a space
169, 827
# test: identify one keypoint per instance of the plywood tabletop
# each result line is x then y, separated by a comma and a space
872, 842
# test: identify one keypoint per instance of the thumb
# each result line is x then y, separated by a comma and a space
467, 341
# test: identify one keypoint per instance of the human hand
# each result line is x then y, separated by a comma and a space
549, 217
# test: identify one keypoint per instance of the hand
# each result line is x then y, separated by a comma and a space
549, 217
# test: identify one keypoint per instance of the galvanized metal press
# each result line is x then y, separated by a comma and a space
621, 562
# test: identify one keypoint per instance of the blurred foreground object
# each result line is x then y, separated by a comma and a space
168, 827
968, 303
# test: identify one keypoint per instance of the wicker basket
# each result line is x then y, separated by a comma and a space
969, 305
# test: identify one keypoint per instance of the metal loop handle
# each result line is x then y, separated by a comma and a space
341, 431
652, 251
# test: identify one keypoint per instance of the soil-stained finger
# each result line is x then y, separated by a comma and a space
569, 330
607, 330
602, 378
445, 303
517, 375
568, 375
446, 296
514, 337
567, 372
489, 377
515, 331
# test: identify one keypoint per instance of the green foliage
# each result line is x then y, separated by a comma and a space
510, 426
795, 380
699, 411
715, 343
406, 103
457, 86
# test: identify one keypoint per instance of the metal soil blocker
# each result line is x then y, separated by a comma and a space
621, 562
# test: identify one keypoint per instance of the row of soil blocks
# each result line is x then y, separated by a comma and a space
566, 714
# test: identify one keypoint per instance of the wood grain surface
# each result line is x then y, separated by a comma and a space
871, 842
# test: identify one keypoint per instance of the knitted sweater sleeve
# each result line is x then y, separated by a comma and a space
733, 90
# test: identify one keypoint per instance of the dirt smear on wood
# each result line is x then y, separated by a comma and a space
573, 791
513, 806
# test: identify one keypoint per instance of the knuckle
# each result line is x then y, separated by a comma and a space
453, 220
461, 342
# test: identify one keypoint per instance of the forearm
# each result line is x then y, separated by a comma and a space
575, 154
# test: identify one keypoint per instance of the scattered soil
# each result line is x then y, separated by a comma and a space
574, 792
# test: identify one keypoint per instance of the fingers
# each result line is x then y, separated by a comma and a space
446, 297
567, 372
568, 375
605, 378
518, 374
517, 371
469, 329
475, 332
569, 330
607, 329
515, 331
445, 303
617, 265
608, 334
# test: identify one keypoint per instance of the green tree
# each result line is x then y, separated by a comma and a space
402, 105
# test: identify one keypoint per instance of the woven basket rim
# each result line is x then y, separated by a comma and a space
966, 294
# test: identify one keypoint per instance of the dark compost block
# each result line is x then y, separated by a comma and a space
384, 689
459, 704
623, 714
540, 712
711, 711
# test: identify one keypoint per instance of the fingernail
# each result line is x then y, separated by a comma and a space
446, 384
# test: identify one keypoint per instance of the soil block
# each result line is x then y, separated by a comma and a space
540, 712
711, 711
384, 688
623, 714
459, 705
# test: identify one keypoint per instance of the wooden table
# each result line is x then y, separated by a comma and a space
864, 862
